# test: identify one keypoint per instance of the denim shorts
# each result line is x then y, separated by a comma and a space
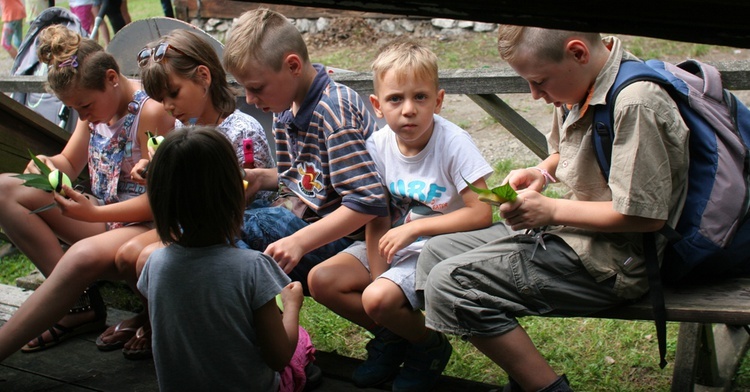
477, 283
263, 226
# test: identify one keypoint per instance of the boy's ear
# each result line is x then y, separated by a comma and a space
578, 50
376, 105
294, 63
439, 101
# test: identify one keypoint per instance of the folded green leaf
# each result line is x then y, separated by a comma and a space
494, 196
35, 181
42, 167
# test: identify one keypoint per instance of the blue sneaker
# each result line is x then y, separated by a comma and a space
423, 366
385, 354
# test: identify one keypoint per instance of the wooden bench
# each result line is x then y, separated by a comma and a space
713, 335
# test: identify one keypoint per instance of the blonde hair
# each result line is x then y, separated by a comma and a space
265, 37
73, 61
546, 44
197, 51
408, 59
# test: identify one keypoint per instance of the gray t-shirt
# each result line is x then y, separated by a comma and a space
201, 303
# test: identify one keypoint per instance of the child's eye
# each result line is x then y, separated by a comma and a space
394, 99
421, 97
174, 93
254, 90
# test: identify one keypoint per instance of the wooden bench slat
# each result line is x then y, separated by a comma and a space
723, 302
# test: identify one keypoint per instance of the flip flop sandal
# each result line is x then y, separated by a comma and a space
139, 354
61, 333
128, 333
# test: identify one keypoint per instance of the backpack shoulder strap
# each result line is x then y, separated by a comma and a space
631, 71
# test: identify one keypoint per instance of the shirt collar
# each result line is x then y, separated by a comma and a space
305, 112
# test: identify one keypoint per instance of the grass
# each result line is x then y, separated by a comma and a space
597, 355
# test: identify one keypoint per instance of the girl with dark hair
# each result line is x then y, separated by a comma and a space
183, 71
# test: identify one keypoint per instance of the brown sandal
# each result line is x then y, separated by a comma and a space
89, 300
138, 354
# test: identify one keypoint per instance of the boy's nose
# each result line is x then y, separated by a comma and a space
250, 98
408, 107
536, 93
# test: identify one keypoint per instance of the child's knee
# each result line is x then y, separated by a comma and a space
321, 281
127, 256
381, 298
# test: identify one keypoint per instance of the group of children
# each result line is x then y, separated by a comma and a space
354, 213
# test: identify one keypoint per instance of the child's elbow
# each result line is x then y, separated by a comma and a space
279, 362
652, 225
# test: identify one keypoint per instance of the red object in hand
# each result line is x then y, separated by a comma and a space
247, 150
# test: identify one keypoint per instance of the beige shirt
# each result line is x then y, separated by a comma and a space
648, 176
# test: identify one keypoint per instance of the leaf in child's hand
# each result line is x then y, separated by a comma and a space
44, 169
36, 181
494, 196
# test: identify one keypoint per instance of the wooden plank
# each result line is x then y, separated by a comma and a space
735, 75
686, 355
226, 9
513, 122
723, 302
22, 130
722, 22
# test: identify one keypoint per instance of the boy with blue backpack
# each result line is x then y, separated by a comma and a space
569, 256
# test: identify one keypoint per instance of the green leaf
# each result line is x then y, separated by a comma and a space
35, 181
42, 167
494, 196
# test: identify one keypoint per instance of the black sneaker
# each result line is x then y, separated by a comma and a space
385, 354
423, 366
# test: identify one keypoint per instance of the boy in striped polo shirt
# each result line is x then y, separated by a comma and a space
328, 185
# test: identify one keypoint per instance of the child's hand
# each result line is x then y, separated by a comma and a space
138, 174
76, 205
287, 252
292, 297
32, 168
525, 179
530, 209
394, 240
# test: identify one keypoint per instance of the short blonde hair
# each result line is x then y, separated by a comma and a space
546, 44
265, 37
408, 59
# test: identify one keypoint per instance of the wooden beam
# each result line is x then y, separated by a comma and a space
719, 22
227, 9
735, 75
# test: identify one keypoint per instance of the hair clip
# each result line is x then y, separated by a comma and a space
72, 61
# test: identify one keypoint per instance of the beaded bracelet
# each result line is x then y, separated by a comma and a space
547, 177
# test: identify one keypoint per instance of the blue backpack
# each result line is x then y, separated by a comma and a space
712, 237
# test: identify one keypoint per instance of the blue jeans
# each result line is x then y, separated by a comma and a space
263, 226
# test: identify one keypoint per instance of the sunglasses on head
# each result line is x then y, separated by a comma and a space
158, 54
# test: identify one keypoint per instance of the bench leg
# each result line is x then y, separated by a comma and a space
707, 356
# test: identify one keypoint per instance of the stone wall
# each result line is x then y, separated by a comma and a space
420, 27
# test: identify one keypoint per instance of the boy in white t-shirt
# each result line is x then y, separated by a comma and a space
422, 159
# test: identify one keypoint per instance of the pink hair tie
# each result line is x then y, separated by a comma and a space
70, 62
